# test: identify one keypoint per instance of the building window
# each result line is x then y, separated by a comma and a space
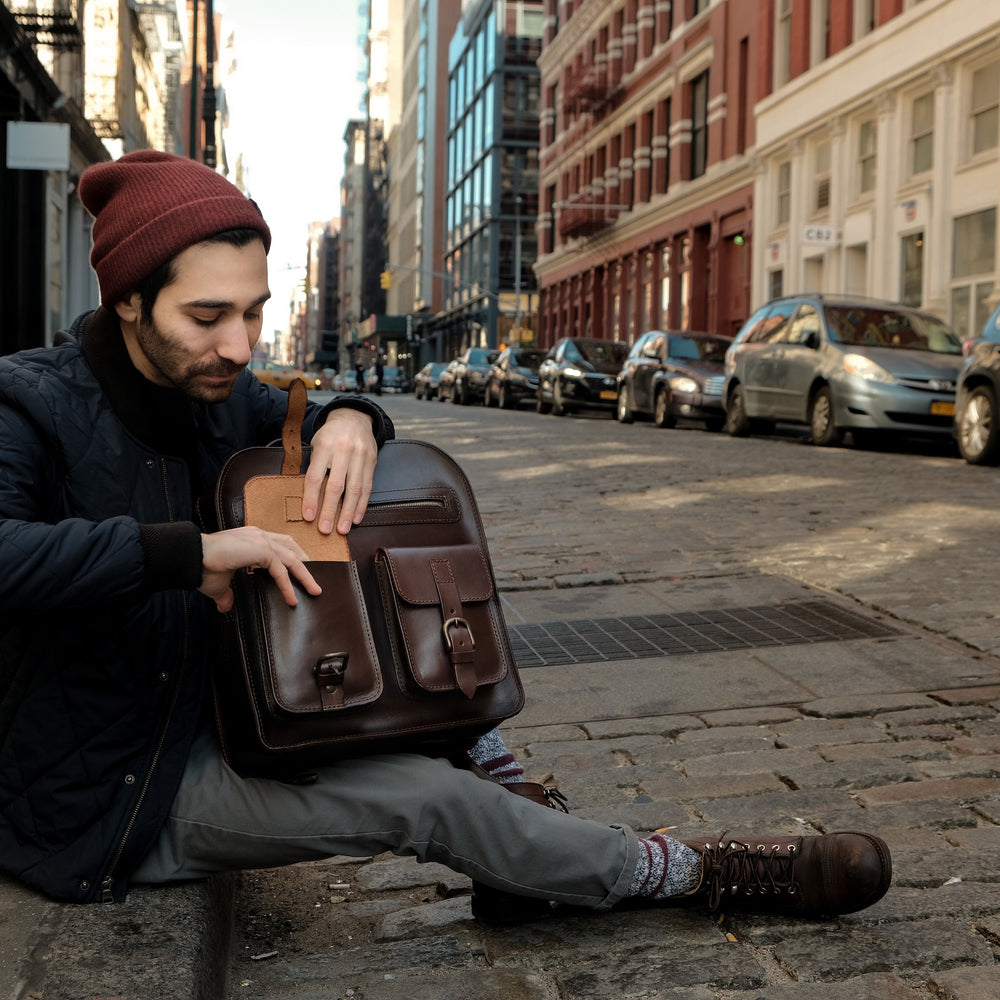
775, 283
699, 124
922, 135
819, 42
985, 125
665, 287
866, 156
782, 41
911, 270
974, 245
821, 183
864, 18
783, 196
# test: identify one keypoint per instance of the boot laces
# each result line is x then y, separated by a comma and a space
735, 867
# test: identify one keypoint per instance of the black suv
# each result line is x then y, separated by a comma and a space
977, 414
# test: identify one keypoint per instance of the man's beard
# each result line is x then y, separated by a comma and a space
173, 363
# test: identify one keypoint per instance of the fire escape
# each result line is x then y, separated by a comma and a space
590, 91
58, 26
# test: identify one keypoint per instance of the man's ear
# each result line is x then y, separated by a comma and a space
129, 310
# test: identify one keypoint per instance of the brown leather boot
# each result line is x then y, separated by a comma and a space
809, 876
497, 906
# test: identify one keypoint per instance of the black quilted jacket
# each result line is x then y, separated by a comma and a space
103, 636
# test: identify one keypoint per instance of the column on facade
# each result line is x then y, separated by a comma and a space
625, 165
629, 37
937, 263
840, 167
645, 26
882, 248
550, 15
662, 10
612, 195
658, 146
615, 50
679, 135
798, 212
641, 158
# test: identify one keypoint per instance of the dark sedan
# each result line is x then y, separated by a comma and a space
469, 381
580, 373
513, 377
425, 382
673, 375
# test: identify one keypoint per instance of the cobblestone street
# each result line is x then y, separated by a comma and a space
881, 715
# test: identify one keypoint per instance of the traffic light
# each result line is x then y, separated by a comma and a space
385, 279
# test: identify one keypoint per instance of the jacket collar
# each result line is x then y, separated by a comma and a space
161, 418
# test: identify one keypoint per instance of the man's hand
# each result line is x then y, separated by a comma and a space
225, 552
345, 447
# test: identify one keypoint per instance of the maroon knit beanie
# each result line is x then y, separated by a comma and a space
148, 207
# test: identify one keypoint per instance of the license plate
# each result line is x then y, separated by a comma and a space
943, 409
609, 394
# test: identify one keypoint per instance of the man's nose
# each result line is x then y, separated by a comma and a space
235, 341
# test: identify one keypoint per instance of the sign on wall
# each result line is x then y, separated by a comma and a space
820, 236
37, 146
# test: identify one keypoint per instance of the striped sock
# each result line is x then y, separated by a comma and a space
666, 868
492, 755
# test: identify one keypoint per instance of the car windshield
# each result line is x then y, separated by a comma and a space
482, 357
600, 351
698, 348
873, 327
528, 359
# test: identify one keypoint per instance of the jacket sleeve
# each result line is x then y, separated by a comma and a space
71, 563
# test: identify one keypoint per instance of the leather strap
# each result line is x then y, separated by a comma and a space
291, 431
458, 636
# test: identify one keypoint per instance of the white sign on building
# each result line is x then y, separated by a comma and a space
820, 236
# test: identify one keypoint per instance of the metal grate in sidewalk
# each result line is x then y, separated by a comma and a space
687, 632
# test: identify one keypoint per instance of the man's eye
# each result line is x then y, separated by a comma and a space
201, 321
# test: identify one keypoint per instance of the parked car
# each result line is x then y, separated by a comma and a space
672, 375
977, 403
280, 375
446, 380
394, 379
580, 373
425, 382
469, 380
840, 364
513, 377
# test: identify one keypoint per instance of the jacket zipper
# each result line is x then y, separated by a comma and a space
107, 882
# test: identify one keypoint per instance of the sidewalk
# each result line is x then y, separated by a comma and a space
765, 735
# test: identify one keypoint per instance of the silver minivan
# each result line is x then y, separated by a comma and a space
842, 364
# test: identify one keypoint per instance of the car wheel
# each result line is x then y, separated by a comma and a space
825, 432
558, 405
503, 397
624, 411
979, 429
737, 422
662, 414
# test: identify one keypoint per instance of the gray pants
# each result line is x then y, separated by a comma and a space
404, 803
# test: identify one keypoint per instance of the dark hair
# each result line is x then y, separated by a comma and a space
151, 286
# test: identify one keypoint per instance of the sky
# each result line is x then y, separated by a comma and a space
295, 90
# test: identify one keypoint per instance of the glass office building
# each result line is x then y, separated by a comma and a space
491, 204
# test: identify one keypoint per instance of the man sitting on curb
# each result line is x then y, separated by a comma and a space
110, 770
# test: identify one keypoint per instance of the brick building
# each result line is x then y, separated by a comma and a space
646, 186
